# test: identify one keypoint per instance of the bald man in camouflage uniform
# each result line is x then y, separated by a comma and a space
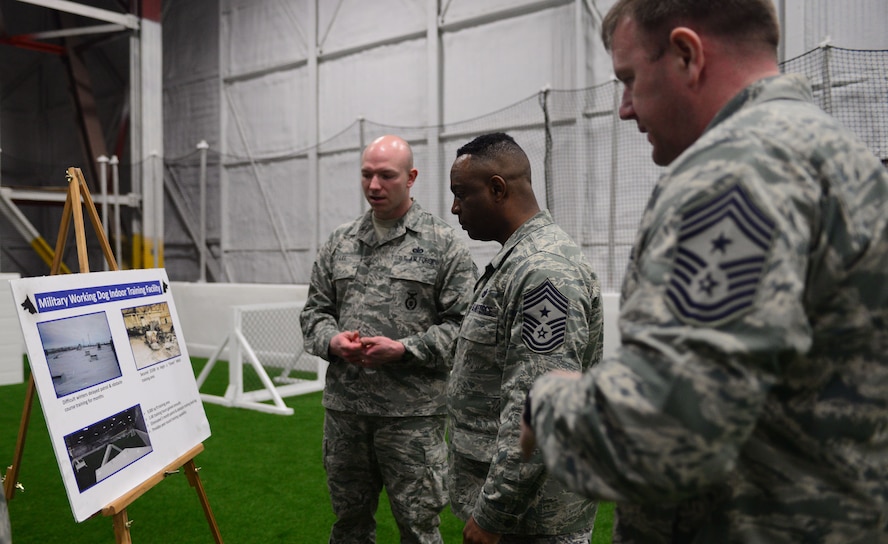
749, 399
537, 307
387, 293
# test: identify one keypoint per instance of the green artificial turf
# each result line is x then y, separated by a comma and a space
262, 475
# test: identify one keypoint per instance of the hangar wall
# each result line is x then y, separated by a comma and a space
298, 79
292, 75
272, 85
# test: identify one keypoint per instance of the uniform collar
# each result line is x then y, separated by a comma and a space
539, 220
781, 87
409, 221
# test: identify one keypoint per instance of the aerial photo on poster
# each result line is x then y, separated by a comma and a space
79, 352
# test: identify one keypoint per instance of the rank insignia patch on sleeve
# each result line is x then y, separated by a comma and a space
722, 250
545, 318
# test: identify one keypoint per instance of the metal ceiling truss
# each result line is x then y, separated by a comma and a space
70, 41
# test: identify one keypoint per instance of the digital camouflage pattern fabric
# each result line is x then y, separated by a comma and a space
536, 308
385, 426
5, 531
749, 399
412, 446
413, 287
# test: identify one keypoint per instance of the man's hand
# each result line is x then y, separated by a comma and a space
379, 350
528, 440
473, 534
347, 345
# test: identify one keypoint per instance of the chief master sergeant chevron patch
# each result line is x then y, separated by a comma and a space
545, 318
722, 251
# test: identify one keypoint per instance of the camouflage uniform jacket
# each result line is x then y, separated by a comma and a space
748, 401
536, 308
5, 531
414, 287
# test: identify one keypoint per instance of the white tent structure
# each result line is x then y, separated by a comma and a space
276, 97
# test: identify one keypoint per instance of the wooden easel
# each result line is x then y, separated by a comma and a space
78, 189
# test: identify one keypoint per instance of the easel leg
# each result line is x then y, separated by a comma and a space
194, 480
72, 210
121, 528
12, 474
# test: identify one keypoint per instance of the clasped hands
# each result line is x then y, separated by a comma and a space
366, 351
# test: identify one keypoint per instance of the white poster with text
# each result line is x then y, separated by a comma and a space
113, 377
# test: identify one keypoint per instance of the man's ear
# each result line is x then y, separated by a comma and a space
687, 48
498, 188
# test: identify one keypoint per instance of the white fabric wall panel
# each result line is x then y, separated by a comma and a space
384, 84
629, 200
260, 34
598, 67
438, 175
281, 219
267, 115
590, 155
341, 199
270, 267
457, 10
344, 24
500, 63
852, 24
429, 189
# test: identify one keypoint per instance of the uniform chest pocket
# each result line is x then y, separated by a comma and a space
478, 328
477, 377
413, 287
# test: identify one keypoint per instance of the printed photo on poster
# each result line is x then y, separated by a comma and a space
79, 352
152, 336
108, 446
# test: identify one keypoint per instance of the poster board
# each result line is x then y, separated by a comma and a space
113, 376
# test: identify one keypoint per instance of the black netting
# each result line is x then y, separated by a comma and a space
593, 171
851, 85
